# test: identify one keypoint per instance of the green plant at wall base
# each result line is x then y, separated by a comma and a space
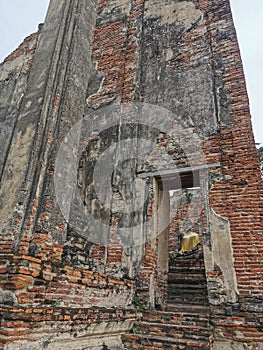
56, 303
138, 305
135, 301
134, 330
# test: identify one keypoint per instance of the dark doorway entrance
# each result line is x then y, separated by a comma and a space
186, 282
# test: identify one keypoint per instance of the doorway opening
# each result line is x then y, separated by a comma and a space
180, 252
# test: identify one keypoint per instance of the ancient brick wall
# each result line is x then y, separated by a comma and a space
47, 297
180, 64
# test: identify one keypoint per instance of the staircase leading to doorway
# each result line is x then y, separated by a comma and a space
182, 327
187, 280
185, 322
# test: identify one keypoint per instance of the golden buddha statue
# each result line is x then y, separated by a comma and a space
188, 240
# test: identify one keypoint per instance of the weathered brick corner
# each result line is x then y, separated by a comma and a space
149, 99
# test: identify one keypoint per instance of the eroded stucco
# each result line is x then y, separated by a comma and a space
184, 13
221, 257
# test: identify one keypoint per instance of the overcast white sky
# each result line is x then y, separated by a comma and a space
19, 18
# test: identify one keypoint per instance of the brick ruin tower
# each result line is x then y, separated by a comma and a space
131, 197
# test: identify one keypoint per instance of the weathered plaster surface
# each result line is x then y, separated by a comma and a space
14, 73
60, 71
233, 345
114, 11
166, 80
221, 256
7, 297
184, 13
95, 337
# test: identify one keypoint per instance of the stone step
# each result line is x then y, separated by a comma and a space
139, 341
197, 300
190, 290
197, 256
179, 315
188, 309
186, 332
186, 274
190, 285
181, 326
176, 310
180, 285
185, 280
188, 265
191, 266
187, 260
177, 318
